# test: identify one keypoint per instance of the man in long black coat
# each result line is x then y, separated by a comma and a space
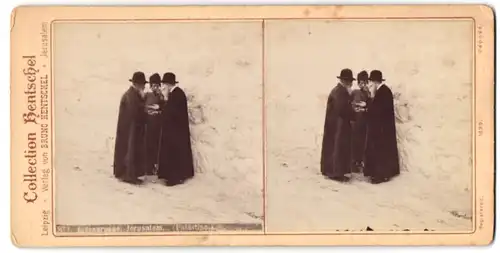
129, 157
176, 157
360, 96
336, 148
153, 99
382, 158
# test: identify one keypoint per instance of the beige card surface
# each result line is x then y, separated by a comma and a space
267, 133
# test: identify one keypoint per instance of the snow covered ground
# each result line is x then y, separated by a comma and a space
219, 65
428, 67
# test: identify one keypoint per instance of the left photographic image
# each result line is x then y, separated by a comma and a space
159, 125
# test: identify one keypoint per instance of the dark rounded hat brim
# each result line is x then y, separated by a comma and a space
168, 81
373, 79
137, 81
346, 78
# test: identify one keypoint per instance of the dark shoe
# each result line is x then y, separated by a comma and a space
134, 181
376, 180
341, 179
327, 176
356, 168
173, 182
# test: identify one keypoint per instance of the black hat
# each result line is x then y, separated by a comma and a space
376, 75
138, 77
363, 76
169, 77
346, 74
155, 78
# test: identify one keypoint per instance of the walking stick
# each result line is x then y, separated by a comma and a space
157, 167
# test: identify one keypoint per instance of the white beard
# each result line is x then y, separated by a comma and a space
164, 91
349, 90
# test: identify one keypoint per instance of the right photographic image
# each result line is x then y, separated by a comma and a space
369, 125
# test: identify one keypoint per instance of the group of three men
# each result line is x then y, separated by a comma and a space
360, 131
153, 134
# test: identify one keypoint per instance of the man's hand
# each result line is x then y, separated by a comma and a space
154, 106
361, 104
359, 109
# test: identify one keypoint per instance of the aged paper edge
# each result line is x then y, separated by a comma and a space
27, 218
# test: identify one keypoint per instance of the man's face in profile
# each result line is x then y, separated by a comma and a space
374, 84
140, 86
164, 90
170, 86
372, 87
348, 85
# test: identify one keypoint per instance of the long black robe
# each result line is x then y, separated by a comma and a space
153, 129
359, 128
129, 157
382, 158
176, 156
336, 148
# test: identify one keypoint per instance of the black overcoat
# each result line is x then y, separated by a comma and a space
336, 147
129, 157
382, 158
359, 127
153, 129
176, 156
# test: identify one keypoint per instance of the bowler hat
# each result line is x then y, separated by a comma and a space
169, 77
376, 75
363, 76
138, 77
155, 78
346, 74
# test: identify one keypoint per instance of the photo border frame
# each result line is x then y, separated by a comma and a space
27, 20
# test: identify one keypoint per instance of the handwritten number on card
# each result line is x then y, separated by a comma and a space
480, 41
